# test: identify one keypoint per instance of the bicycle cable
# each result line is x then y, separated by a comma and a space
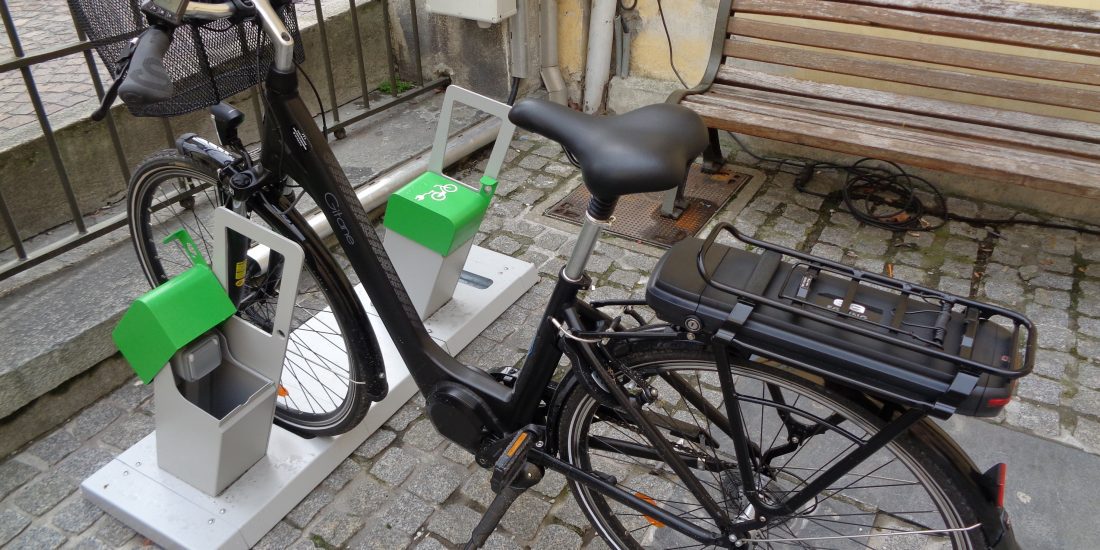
668, 37
317, 96
514, 91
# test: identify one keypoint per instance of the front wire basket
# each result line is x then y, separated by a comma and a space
207, 63
920, 331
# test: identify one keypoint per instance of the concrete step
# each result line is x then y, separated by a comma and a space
1050, 490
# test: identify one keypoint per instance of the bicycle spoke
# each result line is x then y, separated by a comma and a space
834, 531
313, 374
879, 497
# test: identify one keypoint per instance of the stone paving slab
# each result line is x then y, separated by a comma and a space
407, 487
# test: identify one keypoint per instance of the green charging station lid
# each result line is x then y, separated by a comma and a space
438, 212
172, 315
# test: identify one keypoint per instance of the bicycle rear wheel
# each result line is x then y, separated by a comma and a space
899, 490
321, 389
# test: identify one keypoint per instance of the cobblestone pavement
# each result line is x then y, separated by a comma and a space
407, 487
64, 84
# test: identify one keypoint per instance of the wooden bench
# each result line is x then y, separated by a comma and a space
908, 96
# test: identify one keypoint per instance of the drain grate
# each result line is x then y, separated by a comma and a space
638, 217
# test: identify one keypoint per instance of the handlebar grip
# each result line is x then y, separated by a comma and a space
147, 81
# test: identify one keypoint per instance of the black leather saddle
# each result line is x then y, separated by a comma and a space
646, 150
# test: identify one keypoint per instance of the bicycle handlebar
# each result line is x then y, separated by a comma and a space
142, 78
147, 81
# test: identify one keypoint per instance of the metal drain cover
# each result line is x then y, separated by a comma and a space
638, 217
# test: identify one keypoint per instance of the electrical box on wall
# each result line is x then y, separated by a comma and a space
483, 11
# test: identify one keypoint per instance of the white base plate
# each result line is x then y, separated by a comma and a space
133, 489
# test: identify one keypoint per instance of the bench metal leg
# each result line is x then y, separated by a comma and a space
674, 204
713, 159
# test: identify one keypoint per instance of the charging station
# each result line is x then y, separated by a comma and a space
216, 473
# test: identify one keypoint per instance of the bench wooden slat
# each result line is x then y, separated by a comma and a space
999, 10
1000, 118
981, 132
914, 147
1063, 71
1087, 43
920, 76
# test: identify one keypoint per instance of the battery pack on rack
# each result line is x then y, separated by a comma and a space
899, 339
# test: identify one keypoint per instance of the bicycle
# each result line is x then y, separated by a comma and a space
779, 400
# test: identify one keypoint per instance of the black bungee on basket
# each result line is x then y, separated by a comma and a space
207, 63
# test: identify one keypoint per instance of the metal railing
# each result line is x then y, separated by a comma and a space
24, 62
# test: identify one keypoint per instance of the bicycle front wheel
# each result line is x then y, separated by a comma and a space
885, 502
321, 389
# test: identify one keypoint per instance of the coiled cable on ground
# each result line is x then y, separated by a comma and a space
883, 194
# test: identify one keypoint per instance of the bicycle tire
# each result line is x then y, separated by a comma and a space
323, 281
623, 528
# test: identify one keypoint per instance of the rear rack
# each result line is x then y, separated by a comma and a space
902, 327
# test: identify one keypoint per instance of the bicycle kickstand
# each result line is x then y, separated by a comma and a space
512, 475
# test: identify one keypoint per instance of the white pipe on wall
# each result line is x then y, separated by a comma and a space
597, 71
551, 73
517, 27
378, 192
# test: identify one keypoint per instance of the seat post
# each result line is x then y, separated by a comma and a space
598, 217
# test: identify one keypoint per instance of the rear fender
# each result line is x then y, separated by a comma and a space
972, 483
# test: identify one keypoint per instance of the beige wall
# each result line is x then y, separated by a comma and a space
1067, 3
691, 24
691, 28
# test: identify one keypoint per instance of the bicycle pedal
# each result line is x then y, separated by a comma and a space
510, 462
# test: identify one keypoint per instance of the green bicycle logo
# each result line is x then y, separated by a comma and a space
439, 192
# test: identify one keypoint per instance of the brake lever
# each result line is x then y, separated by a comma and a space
243, 10
122, 66
108, 101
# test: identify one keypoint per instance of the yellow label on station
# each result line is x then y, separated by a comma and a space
239, 276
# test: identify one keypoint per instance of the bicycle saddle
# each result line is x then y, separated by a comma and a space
642, 151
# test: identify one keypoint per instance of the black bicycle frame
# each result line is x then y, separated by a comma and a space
293, 146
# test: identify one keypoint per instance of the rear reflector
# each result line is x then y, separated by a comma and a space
994, 481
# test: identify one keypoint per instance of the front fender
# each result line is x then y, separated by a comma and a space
297, 229
205, 152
